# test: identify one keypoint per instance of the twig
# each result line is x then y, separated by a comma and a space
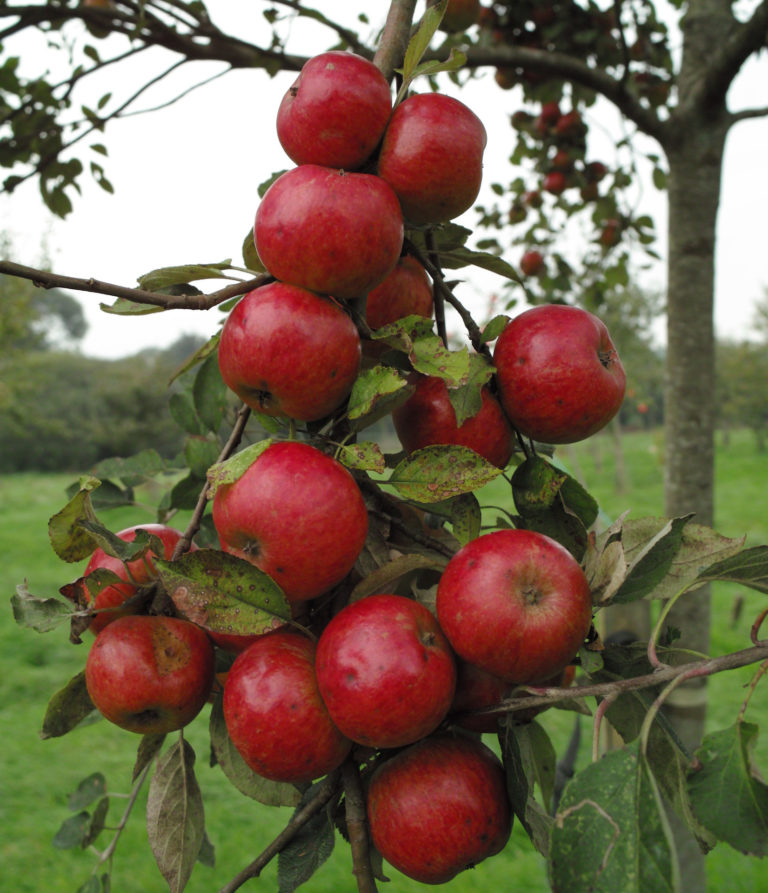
46, 279
229, 447
438, 296
325, 792
357, 828
394, 38
107, 854
548, 696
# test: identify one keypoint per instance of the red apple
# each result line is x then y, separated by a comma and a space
232, 642
298, 515
548, 117
532, 263
427, 417
533, 198
559, 376
286, 351
150, 674
329, 231
439, 807
506, 78
335, 111
569, 124
477, 689
407, 290
595, 171
610, 234
460, 15
109, 601
516, 604
562, 160
275, 715
432, 157
555, 182
385, 671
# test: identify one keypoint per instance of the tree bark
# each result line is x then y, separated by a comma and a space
695, 155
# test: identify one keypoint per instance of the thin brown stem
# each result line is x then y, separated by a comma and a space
546, 697
46, 279
229, 447
357, 828
438, 290
326, 790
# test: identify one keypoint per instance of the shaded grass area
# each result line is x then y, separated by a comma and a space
37, 776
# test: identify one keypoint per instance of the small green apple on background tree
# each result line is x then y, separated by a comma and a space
354, 622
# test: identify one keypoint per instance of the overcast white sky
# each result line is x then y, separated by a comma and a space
185, 192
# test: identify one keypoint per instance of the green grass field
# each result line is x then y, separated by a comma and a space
37, 775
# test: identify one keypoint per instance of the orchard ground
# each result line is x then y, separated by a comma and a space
39, 775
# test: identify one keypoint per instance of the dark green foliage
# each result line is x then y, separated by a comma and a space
63, 411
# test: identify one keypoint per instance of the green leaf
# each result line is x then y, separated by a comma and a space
200, 453
235, 467
72, 831
308, 849
365, 456
609, 560
466, 517
224, 593
67, 708
131, 470
271, 793
142, 543
91, 788
175, 817
519, 765
202, 353
419, 43
69, 540
210, 394
251, 257
494, 328
181, 275
41, 614
749, 568
466, 399
650, 563
149, 748
439, 472
727, 794
384, 578
96, 823
183, 413
413, 335
551, 502
375, 394
456, 59
464, 257
611, 833
126, 307
665, 753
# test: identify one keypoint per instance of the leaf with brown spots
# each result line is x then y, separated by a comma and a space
223, 593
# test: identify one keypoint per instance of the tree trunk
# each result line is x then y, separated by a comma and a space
695, 155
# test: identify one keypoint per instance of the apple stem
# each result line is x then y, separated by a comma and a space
202, 500
357, 827
437, 291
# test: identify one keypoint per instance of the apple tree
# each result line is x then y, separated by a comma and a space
377, 643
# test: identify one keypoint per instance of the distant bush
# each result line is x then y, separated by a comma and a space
62, 411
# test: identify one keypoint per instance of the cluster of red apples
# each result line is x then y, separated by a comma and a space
385, 679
